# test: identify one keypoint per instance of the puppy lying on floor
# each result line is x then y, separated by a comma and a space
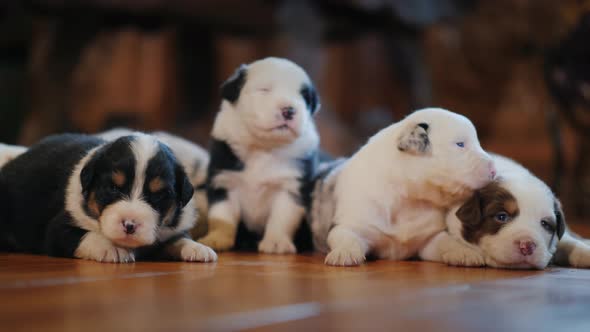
193, 158
80, 196
264, 152
390, 197
514, 222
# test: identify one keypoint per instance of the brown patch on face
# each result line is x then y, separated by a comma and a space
93, 206
156, 184
478, 214
119, 178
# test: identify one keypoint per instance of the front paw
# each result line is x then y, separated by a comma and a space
463, 258
344, 256
98, 248
277, 245
218, 241
192, 251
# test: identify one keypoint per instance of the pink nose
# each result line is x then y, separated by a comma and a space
526, 246
288, 112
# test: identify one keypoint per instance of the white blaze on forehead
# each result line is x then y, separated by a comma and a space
269, 70
144, 148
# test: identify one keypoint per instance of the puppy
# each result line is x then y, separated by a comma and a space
9, 152
264, 152
191, 156
80, 196
514, 222
389, 198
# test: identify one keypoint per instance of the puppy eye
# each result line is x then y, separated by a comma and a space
548, 226
265, 89
460, 144
502, 217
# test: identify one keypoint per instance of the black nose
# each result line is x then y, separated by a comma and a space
288, 112
129, 226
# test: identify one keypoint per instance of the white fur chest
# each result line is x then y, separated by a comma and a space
255, 187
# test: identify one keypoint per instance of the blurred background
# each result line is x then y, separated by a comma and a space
520, 69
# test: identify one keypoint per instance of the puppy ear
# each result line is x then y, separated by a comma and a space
87, 175
184, 188
559, 218
415, 140
230, 89
311, 97
470, 212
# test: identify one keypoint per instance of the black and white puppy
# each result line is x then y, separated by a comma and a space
514, 222
263, 154
80, 196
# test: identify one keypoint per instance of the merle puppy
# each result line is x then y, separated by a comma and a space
263, 153
80, 196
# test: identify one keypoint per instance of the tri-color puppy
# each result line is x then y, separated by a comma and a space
513, 222
390, 197
263, 154
191, 156
81, 196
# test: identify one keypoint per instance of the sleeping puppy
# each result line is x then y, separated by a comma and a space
9, 152
389, 198
263, 154
191, 156
514, 222
80, 196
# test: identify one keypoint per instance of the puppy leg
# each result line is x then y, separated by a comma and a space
286, 215
348, 248
94, 246
188, 250
223, 224
446, 249
572, 251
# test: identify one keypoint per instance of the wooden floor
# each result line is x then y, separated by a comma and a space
291, 293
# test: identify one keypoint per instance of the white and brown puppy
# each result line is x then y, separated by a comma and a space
263, 154
9, 152
390, 197
81, 196
514, 222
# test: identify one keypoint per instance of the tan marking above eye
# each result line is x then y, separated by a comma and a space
156, 184
119, 178
511, 207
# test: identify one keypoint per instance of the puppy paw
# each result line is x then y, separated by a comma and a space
345, 257
192, 251
218, 241
277, 245
463, 258
98, 248
580, 257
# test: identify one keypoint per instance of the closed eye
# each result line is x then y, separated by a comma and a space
264, 89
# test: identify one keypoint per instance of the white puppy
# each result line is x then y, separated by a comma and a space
390, 197
264, 152
513, 222
9, 152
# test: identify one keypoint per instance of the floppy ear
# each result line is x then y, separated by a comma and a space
470, 212
184, 188
415, 140
87, 175
230, 89
311, 97
559, 218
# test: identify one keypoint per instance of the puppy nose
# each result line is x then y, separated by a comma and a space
527, 246
129, 226
288, 112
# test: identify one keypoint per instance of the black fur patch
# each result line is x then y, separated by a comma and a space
416, 141
231, 89
33, 196
223, 158
311, 97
